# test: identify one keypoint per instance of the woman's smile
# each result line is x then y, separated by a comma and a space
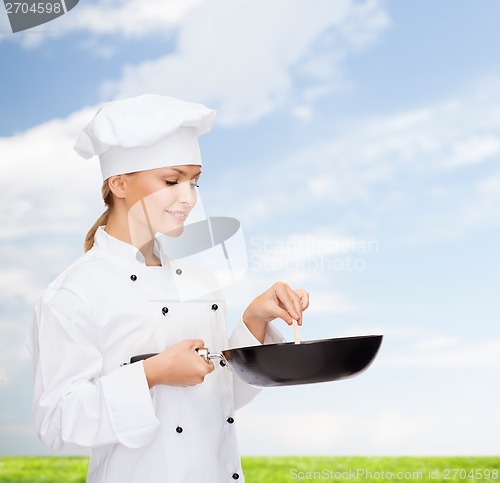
178, 215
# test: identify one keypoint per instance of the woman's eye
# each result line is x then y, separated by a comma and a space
173, 183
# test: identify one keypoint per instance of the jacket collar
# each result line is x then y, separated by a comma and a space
116, 248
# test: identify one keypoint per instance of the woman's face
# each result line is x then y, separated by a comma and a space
161, 199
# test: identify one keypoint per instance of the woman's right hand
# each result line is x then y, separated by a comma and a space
179, 365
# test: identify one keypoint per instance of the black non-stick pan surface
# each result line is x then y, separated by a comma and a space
305, 363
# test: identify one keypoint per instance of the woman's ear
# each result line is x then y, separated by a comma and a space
117, 185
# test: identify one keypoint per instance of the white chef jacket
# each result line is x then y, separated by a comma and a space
106, 307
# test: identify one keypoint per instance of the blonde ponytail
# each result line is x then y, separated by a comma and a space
107, 196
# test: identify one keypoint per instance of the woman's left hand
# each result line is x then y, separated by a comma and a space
278, 301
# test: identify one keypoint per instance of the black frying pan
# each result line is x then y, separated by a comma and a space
290, 364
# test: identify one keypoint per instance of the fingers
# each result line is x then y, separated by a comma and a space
283, 314
195, 344
286, 299
304, 297
207, 366
292, 301
210, 367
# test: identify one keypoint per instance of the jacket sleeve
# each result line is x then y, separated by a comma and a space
242, 337
74, 403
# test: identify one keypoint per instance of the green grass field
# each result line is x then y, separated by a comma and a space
286, 469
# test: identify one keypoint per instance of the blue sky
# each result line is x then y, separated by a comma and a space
348, 125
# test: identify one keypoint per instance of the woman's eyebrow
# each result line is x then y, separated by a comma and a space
180, 171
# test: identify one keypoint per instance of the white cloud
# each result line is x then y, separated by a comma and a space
474, 150
330, 303
13, 352
444, 353
437, 343
130, 18
304, 113
247, 57
482, 207
126, 18
297, 248
18, 284
413, 172
379, 150
46, 187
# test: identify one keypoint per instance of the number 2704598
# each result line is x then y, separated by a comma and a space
470, 474
40, 7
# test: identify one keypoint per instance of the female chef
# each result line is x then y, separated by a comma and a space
169, 418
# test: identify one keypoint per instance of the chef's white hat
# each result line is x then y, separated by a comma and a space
145, 132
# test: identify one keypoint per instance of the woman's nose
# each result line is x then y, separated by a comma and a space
186, 192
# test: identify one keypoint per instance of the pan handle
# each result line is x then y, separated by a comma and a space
140, 357
208, 356
205, 353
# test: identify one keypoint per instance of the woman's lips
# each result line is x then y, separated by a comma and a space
178, 215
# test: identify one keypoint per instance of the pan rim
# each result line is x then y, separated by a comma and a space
309, 342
